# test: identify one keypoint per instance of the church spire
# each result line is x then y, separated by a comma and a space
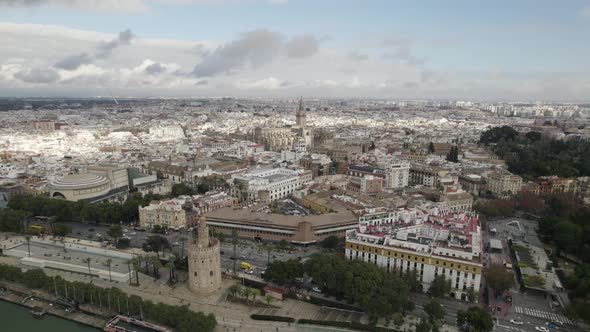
300, 116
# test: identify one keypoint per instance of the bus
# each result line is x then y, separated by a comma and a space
36, 229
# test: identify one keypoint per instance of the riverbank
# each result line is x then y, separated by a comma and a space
29, 299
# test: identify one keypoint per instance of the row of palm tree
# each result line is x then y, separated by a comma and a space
156, 265
237, 290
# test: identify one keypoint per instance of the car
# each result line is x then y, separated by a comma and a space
316, 289
132, 233
222, 252
516, 322
541, 329
249, 271
175, 243
98, 235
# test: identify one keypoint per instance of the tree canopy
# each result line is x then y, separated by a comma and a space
475, 319
499, 279
533, 154
440, 286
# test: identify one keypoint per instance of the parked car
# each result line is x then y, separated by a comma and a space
316, 289
516, 321
541, 329
249, 271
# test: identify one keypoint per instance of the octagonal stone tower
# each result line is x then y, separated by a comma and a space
204, 262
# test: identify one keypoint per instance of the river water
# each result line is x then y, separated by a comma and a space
14, 318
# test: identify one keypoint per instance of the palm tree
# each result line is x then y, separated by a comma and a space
246, 292
172, 261
129, 261
108, 264
157, 265
269, 247
87, 261
136, 266
268, 299
28, 238
170, 267
254, 292
234, 289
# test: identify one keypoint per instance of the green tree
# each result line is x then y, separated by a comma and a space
268, 298
181, 189
115, 231
62, 230
87, 260
234, 290
108, 264
471, 294
475, 319
430, 147
440, 286
434, 310
411, 278
156, 243
423, 326
28, 238
331, 242
498, 278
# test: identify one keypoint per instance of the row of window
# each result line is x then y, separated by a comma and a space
415, 258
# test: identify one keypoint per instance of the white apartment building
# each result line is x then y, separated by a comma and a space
432, 242
268, 184
397, 175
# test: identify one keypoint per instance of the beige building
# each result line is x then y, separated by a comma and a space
204, 261
173, 213
504, 184
456, 199
426, 175
368, 184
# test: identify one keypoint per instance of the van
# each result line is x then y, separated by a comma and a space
245, 265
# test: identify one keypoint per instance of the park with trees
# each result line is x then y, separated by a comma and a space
564, 220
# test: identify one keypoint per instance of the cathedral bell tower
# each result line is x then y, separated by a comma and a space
300, 116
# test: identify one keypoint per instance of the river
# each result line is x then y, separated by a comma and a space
15, 318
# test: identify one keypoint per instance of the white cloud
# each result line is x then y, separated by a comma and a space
86, 5
251, 65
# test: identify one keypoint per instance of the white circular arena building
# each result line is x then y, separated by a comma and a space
79, 187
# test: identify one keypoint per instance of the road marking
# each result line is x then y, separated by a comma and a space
543, 314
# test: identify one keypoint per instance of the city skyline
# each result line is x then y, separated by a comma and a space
284, 49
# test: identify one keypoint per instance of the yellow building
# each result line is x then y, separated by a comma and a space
174, 213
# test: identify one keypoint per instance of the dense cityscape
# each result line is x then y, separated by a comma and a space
155, 197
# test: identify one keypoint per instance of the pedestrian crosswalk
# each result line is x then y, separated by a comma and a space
549, 316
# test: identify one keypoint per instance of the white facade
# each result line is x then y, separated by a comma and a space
397, 175
278, 182
430, 241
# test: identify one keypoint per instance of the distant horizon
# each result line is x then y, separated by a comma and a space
305, 98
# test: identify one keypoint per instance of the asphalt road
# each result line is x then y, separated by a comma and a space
246, 251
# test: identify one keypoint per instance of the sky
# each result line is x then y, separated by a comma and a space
513, 50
